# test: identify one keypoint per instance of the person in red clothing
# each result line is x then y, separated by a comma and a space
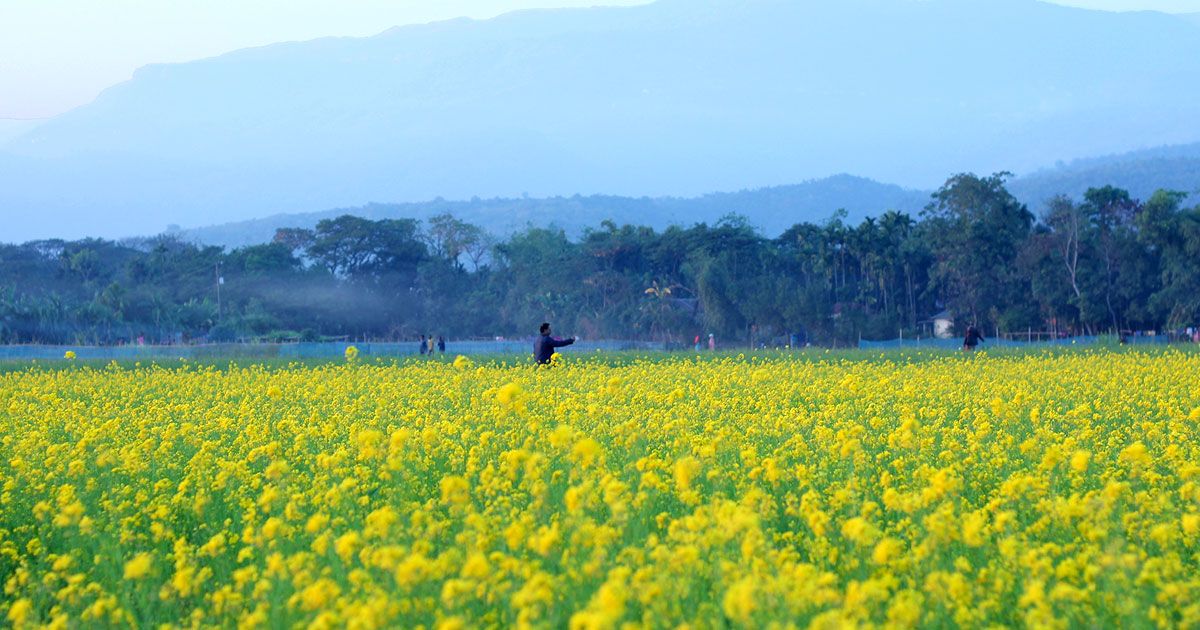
545, 345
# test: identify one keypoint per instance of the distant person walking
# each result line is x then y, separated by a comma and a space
441, 344
972, 339
545, 345
712, 343
423, 348
697, 343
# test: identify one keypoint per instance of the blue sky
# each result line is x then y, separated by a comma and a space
58, 54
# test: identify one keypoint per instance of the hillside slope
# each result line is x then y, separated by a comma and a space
675, 98
11, 128
770, 209
1139, 172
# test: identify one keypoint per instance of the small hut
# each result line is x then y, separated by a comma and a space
940, 325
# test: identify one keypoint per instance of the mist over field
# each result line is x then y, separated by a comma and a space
676, 98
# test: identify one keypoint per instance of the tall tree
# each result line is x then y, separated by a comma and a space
452, 239
1174, 234
368, 251
976, 229
1111, 212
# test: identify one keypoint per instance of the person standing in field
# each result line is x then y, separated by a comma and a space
697, 343
712, 343
972, 339
441, 344
545, 345
423, 347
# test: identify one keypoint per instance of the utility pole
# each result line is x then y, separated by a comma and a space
220, 280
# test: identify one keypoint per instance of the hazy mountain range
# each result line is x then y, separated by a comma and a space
1140, 172
11, 128
772, 209
674, 99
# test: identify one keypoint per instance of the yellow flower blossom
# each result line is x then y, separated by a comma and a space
1079, 461
1190, 524
20, 611
138, 566
347, 545
738, 602
886, 550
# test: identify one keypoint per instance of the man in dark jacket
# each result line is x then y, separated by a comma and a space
544, 346
972, 339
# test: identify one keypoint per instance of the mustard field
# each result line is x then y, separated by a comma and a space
1043, 490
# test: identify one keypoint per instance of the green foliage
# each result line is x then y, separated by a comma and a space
976, 229
1105, 263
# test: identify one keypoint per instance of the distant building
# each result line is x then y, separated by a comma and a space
942, 325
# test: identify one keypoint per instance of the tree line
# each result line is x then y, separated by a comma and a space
1108, 262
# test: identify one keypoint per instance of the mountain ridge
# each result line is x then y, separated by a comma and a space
771, 209
666, 99
814, 200
11, 128
1142, 172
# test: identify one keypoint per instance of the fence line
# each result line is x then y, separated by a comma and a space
951, 344
313, 350
335, 350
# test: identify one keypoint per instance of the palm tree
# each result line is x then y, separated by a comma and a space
659, 308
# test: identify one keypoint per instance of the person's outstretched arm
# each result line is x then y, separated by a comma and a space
559, 343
